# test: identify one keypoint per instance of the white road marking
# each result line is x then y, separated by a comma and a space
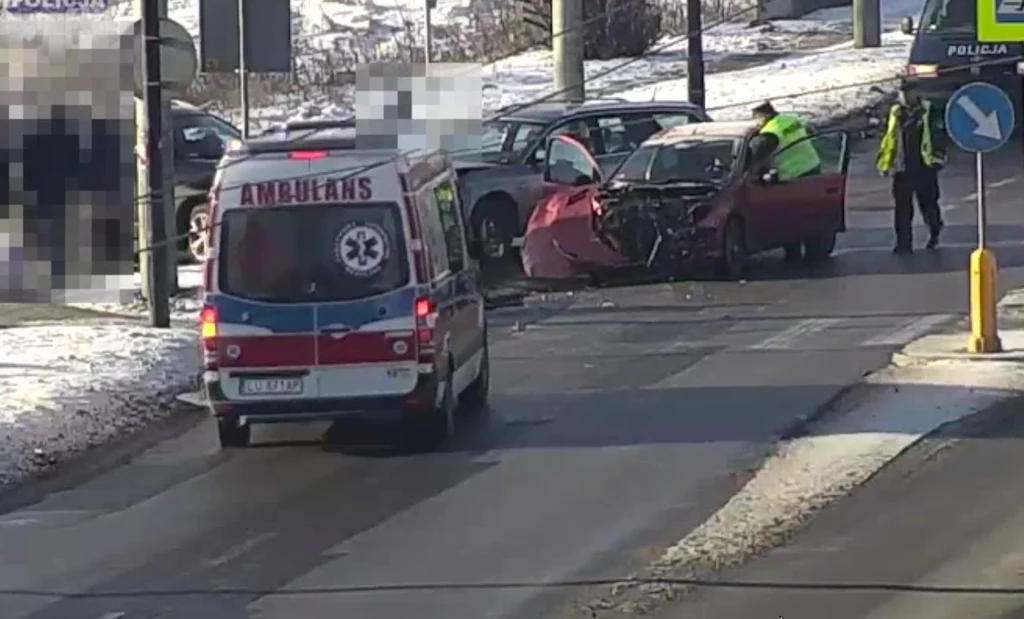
786, 339
18, 522
115, 614
886, 249
909, 332
238, 550
678, 346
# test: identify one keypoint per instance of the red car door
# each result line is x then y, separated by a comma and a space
825, 211
796, 210
559, 236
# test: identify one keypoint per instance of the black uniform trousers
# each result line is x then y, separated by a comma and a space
921, 183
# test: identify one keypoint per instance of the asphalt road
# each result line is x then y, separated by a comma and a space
620, 419
936, 534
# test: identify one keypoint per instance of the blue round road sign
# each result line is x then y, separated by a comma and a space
979, 117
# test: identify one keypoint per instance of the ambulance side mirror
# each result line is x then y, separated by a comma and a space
907, 25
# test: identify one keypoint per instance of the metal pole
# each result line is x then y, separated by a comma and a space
983, 271
867, 23
695, 53
567, 48
979, 164
428, 50
159, 286
243, 72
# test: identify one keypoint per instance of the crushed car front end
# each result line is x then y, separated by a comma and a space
663, 227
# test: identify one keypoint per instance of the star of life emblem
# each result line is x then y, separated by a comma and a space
362, 249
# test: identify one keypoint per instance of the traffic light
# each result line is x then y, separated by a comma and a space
431, 5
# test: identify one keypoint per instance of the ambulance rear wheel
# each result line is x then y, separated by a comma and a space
233, 434
474, 398
428, 430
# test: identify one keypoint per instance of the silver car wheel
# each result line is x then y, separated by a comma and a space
197, 228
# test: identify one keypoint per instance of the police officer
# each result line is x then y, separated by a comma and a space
912, 152
778, 136
783, 143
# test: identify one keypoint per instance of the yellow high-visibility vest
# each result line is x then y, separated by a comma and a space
793, 159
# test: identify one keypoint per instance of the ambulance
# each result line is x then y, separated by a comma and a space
340, 281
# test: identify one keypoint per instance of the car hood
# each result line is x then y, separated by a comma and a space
469, 165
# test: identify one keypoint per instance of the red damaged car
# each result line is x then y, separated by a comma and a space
689, 195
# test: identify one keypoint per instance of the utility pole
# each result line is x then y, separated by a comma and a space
156, 241
142, 210
695, 54
567, 48
428, 51
243, 72
867, 23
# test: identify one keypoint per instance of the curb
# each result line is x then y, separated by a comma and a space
75, 467
801, 426
905, 359
952, 346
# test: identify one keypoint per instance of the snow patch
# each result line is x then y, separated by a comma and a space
67, 388
828, 83
894, 409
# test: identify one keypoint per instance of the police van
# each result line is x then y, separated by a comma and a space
946, 53
339, 281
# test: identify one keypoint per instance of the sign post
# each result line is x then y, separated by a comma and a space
980, 119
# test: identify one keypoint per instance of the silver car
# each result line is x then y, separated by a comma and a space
503, 183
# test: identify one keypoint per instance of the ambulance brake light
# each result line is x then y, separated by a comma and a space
423, 308
425, 320
307, 155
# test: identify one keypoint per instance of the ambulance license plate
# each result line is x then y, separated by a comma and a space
271, 386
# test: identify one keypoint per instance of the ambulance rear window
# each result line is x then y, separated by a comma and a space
302, 254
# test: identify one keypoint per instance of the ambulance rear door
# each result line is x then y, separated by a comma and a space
358, 250
261, 297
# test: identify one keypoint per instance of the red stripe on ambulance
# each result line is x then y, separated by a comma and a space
271, 351
371, 347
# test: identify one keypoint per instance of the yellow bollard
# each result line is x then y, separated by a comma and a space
984, 334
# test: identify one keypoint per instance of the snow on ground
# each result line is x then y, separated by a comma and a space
877, 422
826, 84
379, 24
529, 76
184, 307
67, 388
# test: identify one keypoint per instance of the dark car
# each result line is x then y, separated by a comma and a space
502, 184
946, 53
199, 139
688, 196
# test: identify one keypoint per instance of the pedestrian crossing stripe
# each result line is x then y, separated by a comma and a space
866, 335
755, 335
1000, 21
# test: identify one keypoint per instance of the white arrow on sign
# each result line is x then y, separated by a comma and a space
988, 124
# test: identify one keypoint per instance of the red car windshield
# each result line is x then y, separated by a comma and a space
698, 161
